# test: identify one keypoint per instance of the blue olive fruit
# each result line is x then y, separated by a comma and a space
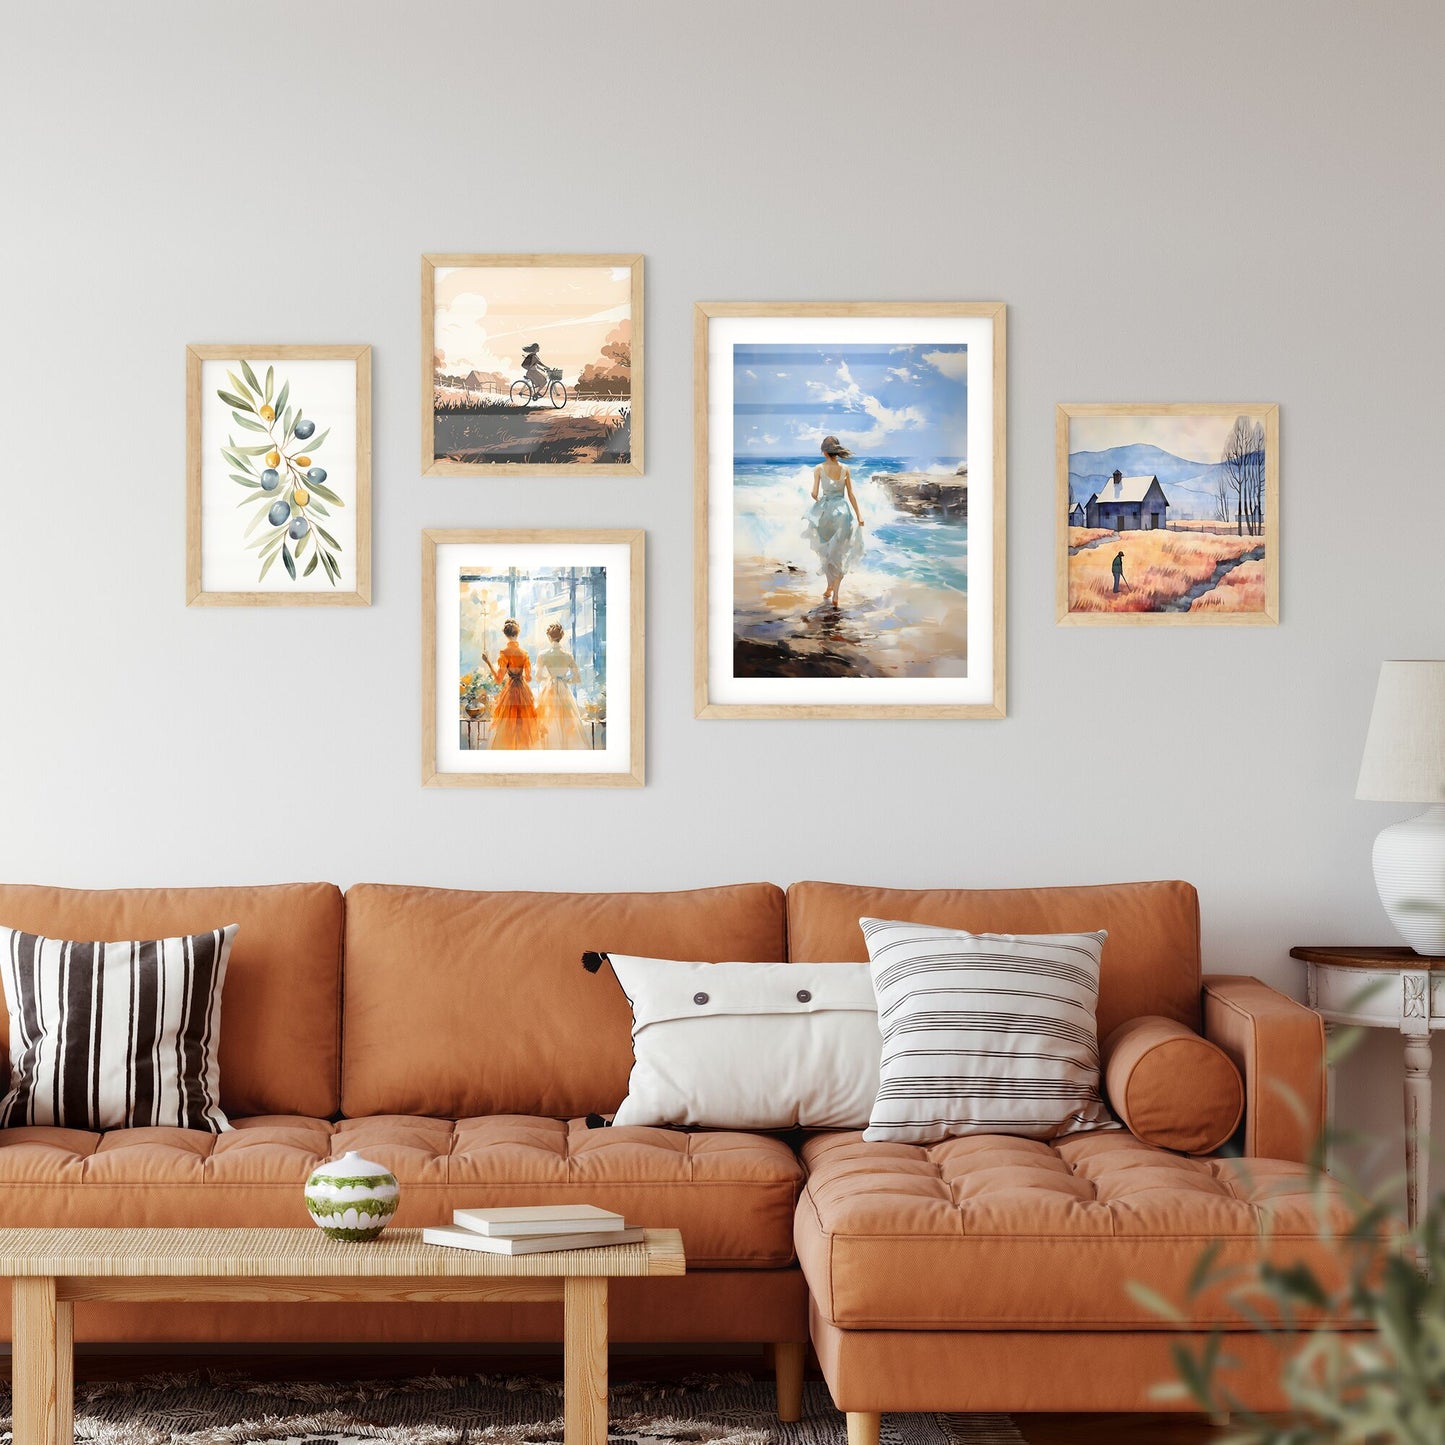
304, 428
316, 474
298, 529
270, 479
278, 513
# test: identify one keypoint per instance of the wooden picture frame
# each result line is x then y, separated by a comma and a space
523, 433
981, 325
218, 477
468, 765
1212, 569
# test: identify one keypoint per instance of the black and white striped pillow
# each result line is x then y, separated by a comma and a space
984, 1033
115, 1035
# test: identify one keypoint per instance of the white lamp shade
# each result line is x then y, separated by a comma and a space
1404, 758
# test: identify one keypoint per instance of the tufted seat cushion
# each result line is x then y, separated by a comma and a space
732, 1195
994, 1232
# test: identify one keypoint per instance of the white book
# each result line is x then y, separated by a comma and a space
450, 1236
524, 1221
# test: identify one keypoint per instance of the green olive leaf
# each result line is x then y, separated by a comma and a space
249, 375
322, 490
254, 451
282, 399
311, 565
315, 506
314, 443
231, 399
270, 377
289, 560
239, 386
327, 535
247, 422
245, 482
267, 565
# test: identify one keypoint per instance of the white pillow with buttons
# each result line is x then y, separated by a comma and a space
750, 1045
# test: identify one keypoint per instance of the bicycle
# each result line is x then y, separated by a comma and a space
524, 393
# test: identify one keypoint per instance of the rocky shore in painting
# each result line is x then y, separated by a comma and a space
887, 626
925, 494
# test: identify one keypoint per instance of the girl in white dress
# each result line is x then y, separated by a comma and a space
559, 719
830, 525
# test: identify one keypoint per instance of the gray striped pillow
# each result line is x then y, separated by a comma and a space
984, 1033
115, 1035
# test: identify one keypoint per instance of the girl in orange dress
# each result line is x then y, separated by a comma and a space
514, 713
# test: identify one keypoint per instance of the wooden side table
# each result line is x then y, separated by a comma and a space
1387, 988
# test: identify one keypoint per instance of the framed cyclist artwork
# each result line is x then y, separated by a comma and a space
849, 466
532, 659
531, 363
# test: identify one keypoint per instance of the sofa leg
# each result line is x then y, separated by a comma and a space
863, 1427
788, 1360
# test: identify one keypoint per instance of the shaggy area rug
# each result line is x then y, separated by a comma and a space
221, 1409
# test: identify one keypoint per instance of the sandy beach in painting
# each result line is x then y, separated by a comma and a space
888, 626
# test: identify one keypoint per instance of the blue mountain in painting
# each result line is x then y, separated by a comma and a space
1189, 485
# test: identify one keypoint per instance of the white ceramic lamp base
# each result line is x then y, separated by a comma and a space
1410, 874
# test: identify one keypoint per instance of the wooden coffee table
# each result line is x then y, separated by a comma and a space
50, 1269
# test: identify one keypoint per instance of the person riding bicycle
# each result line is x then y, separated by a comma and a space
534, 369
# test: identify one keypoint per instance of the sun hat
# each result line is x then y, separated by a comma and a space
832, 447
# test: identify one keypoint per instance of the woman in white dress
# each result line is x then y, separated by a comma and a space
832, 531
559, 719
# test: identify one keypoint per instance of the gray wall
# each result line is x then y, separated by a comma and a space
1178, 201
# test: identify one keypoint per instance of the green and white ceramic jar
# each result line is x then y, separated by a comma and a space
351, 1198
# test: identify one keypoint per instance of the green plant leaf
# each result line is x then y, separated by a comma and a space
239, 386
235, 459
270, 377
327, 535
283, 398
322, 490
247, 422
249, 375
286, 419
316, 507
314, 443
1155, 1302
245, 482
231, 399
289, 560
255, 451
267, 565
311, 565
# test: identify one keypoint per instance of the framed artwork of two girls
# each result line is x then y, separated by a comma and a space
849, 475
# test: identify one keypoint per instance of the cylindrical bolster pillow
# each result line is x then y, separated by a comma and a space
1171, 1087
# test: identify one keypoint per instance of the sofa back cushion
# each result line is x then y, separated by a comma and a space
1151, 960
280, 1009
459, 1004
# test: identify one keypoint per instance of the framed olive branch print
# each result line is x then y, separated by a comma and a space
278, 476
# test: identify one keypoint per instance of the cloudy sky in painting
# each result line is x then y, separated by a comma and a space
899, 401
485, 315
1195, 438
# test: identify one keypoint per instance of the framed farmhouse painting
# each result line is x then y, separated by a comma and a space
849, 475
278, 475
532, 659
1168, 514
531, 363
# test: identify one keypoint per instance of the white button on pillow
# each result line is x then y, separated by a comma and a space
750, 1045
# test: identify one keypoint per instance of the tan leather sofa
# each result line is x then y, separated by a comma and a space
454, 1037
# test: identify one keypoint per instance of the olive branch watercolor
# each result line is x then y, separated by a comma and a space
289, 492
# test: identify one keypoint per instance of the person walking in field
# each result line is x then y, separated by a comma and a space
829, 525
1119, 571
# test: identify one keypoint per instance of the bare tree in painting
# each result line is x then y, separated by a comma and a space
1223, 508
1242, 474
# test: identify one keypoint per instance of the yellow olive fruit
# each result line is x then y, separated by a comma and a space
268, 413
300, 496
273, 459
302, 461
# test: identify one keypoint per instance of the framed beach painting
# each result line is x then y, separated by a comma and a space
531, 363
1168, 514
278, 475
849, 476
532, 659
